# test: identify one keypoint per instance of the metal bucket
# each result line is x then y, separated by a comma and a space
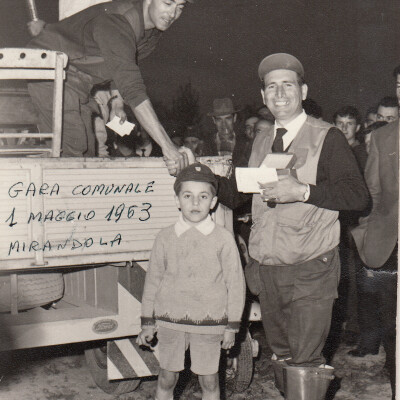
307, 383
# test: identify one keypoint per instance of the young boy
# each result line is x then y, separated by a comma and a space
194, 290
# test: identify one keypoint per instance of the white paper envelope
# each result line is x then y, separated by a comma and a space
247, 178
279, 160
121, 129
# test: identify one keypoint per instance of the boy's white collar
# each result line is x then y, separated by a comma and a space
205, 227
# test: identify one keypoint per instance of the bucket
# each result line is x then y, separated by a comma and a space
307, 383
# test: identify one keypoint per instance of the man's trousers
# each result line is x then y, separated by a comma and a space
296, 306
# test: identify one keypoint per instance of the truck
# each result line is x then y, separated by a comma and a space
76, 239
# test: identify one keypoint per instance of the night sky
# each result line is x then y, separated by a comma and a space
349, 48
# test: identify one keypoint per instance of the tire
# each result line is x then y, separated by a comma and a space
237, 368
34, 290
245, 365
96, 360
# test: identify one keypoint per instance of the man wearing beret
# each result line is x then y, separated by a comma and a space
104, 43
295, 232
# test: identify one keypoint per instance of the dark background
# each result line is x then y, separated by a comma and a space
349, 48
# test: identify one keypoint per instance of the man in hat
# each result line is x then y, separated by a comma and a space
295, 232
103, 43
224, 117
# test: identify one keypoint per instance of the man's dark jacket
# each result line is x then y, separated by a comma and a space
104, 43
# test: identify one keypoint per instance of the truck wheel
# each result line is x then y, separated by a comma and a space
34, 290
237, 366
244, 370
96, 359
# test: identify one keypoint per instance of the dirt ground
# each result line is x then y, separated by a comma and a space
60, 373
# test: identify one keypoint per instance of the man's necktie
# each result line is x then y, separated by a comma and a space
143, 152
277, 146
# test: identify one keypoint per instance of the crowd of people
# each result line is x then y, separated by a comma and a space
346, 171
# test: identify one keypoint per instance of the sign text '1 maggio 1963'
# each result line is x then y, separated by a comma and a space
131, 210
111, 211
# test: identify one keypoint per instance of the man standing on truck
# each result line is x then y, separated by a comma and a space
104, 43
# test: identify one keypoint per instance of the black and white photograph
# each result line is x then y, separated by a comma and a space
199, 199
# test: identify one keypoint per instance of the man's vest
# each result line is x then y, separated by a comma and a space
295, 232
67, 35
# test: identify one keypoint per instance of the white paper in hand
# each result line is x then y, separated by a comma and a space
278, 160
121, 129
247, 179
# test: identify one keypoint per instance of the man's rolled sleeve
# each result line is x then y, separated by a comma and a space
117, 43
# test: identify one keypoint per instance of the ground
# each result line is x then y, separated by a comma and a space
60, 373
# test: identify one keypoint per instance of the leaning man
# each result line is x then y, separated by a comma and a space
295, 232
104, 43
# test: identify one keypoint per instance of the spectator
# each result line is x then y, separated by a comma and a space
144, 146
249, 127
262, 127
388, 109
348, 120
241, 152
376, 238
108, 101
370, 116
224, 116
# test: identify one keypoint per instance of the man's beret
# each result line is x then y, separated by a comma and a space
280, 61
196, 172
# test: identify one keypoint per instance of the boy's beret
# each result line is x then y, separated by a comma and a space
196, 172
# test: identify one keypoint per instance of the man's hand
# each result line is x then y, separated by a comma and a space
174, 159
286, 190
35, 27
117, 106
147, 117
146, 336
229, 340
119, 112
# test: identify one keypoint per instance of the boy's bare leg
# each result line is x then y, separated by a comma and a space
210, 386
166, 384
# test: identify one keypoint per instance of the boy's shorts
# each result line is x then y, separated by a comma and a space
205, 351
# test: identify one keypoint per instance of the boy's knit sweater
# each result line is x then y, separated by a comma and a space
195, 280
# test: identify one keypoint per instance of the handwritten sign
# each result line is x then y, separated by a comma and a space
139, 211
68, 213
